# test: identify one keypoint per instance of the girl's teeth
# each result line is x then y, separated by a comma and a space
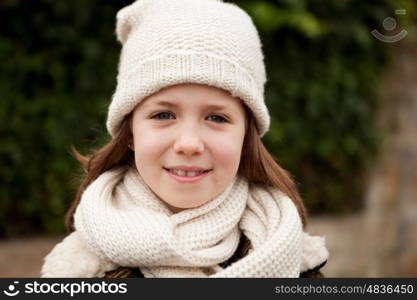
188, 174
180, 172
193, 173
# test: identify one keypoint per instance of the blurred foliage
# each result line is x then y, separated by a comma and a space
323, 71
58, 72
59, 62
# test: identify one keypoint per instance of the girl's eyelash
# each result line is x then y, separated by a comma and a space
223, 119
159, 114
155, 116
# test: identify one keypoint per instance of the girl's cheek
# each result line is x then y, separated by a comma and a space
154, 144
227, 156
149, 142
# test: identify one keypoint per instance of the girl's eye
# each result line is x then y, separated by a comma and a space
161, 115
219, 118
166, 115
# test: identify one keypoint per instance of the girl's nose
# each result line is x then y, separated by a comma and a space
189, 142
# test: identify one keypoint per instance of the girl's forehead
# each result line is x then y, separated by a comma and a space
195, 94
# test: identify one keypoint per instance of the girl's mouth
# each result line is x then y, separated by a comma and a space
187, 176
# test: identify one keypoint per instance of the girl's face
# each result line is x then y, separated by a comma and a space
185, 127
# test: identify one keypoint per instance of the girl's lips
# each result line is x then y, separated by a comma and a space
186, 179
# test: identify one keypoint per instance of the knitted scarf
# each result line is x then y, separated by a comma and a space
120, 220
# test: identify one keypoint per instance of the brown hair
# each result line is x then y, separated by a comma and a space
256, 164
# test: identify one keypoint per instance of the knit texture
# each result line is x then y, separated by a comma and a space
122, 222
167, 42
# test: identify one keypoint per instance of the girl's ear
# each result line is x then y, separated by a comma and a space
130, 142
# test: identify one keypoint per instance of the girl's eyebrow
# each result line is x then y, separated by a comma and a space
170, 104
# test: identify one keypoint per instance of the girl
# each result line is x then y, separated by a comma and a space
185, 187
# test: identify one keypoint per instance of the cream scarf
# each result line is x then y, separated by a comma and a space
121, 222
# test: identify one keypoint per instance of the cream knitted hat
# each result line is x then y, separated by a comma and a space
168, 42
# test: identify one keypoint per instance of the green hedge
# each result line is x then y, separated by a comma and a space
58, 72
323, 68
